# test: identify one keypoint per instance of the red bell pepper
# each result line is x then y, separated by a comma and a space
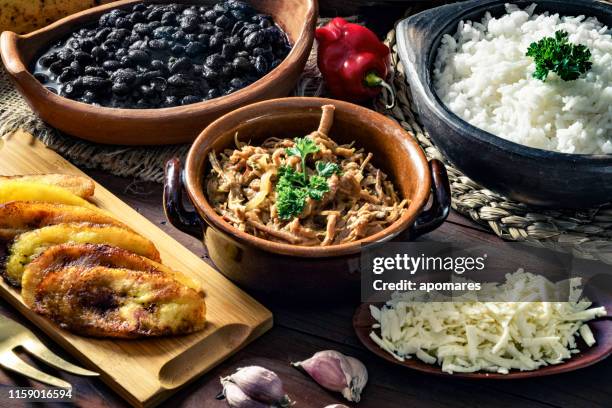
352, 60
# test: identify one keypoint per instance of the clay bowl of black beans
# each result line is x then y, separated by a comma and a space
158, 72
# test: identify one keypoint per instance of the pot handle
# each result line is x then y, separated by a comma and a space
437, 213
187, 221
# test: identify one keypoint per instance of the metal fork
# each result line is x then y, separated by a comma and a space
14, 335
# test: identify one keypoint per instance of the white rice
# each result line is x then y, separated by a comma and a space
482, 75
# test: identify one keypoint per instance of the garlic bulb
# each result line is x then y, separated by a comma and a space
336, 372
254, 387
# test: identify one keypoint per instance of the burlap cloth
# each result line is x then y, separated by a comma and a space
587, 233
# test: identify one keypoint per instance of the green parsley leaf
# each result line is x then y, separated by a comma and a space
327, 169
567, 60
291, 201
293, 188
317, 187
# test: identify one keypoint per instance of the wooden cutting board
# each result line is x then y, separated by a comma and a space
145, 372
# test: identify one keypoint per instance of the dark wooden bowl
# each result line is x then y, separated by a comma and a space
526, 174
598, 291
153, 126
299, 271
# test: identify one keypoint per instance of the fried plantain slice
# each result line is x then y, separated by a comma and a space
29, 245
71, 255
107, 302
18, 217
18, 190
78, 185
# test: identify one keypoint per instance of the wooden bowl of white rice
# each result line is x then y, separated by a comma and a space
546, 143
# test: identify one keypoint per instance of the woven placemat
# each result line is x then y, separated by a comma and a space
586, 233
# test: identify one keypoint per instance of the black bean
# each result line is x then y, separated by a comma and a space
261, 65
220, 9
40, 77
207, 29
56, 67
110, 45
111, 65
139, 45
189, 99
158, 84
47, 60
139, 7
66, 75
178, 49
168, 18
242, 64
95, 83
82, 57
210, 74
99, 54
163, 32
171, 101
69, 89
125, 75
254, 39
224, 22
214, 61
139, 57
204, 39
215, 41
155, 15
88, 97
213, 93
210, 16
228, 51
95, 71
143, 29
178, 80
180, 65
158, 44
148, 75
157, 64
65, 55
87, 45
227, 71
137, 17
191, 37
190, 23
76, 67
179, 36
121, 88
122, 22
194, 48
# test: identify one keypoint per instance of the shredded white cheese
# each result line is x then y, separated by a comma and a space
471, 335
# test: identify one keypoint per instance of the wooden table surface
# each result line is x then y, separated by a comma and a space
302, 330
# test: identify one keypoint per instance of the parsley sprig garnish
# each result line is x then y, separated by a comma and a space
294, 188
556, 54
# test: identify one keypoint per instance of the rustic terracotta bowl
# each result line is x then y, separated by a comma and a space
152, 126
290, 270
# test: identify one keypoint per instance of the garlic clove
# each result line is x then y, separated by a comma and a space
358, 381
262, 385
336, 406
337, 372
237, 399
